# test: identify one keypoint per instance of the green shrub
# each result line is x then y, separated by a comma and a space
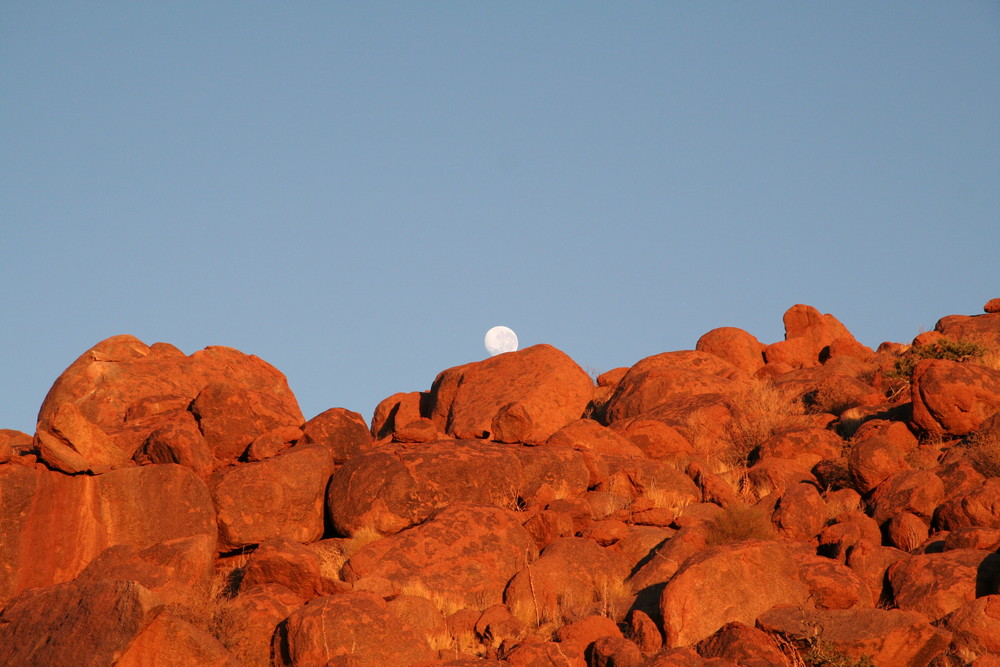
946, 348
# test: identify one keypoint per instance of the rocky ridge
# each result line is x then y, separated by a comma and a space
809, 501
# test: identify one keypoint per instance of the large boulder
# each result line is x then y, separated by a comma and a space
888, 638
280, 497
983, 328
522, 396
936, 584
464, 555
128, 389
977, 506
809, 336
356, 629
86, 624
733, 582
657, 380
952, 398
736, 346
392, 489
342, 431
54, 524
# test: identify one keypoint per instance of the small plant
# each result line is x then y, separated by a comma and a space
760, 410
945, 348
739, 522
821, 654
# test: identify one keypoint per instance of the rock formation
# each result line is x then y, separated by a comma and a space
808, 501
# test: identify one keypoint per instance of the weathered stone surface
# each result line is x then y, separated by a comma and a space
657, 380
736, 346
892, 638
466, 554
873, 461
982, 328
974, 625
906, 531
343, 432
124, 387
953, 398
588, 435
54, 525
68, 428
357, 627
231, 417
833, 585
280, 497
800, 513
975, 507
250, 620
177, 440
396, 411
805, 446
916, 491
390, 490
570, 576
656, 439
286, 563
936, 584
170, 641
743, 644
733, 582
539, 389
848, 529
807, 334
75, 624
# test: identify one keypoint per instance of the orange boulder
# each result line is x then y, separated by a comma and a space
736, 346
951, 398
528, 395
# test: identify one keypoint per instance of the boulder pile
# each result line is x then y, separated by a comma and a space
806, 502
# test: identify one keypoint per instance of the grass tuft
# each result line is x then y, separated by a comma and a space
738, 523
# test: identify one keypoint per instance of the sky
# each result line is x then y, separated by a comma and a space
356, 192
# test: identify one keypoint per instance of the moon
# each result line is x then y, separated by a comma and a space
499, 340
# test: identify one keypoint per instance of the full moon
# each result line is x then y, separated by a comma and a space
499, 340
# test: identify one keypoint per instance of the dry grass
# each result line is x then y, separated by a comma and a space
666, 498
983, 452
760, 410
332, 559
444, 603
737, 523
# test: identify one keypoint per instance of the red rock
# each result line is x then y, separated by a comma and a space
916, 491
464, 554
280, 497
744, 645
938, 583
893, 432
973, 537
805, 446
272, 443
643, 631
396, 410
800, 513
76, 624
846, 347
570, 577
677, 657
249, 621
605, 532
418, 430
588, 435
775, 475
178, 440
974, 625
713, 488
576, 637
808, 335
54, 524
699, 418
390, 491
13, 443
550, 473
69, 429
664, 561
656, 439
358, 625
232, 417
341, 431
890, 638
992, 306
872, 461
906, 531
736, 346
657, 380
978, 507
177, 570
542, 654
170, 640
421, 614
287, 563
611, 378
733, 582
870, 562
548, 389
124, 387
547, 525
951, 398
833, 585
983, 329
847, 531
663, 485
614, 652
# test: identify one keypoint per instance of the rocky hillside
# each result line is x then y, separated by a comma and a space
805, 502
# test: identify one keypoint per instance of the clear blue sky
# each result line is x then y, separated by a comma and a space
356, 192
